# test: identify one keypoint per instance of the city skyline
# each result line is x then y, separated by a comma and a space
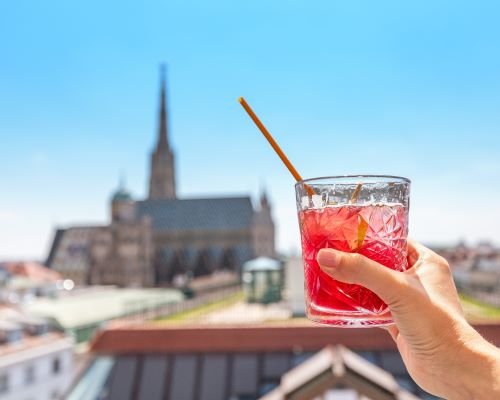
414, 92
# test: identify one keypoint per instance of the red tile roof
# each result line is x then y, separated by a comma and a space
32, 270
205, 338
303, 337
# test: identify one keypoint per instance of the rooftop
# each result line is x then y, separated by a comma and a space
246, 362
96, 306
263, 264
306, 336
336, 366
29, 343
31, 270
225, 213
303, 335
23, 335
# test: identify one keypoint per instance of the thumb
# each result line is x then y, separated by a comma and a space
387, 284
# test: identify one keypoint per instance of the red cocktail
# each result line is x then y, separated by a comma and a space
375, 229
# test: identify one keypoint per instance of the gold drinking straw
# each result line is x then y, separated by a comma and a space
362, 224
273, 144
355, 195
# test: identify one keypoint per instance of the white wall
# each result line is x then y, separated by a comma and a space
46, 384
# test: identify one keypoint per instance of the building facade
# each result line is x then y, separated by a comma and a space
150, 242
35, 364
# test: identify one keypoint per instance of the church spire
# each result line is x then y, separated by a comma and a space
162, 126
264, 201
162, 174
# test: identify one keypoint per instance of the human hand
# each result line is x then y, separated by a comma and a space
441, 351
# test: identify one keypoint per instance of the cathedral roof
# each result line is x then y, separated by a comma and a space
225, 213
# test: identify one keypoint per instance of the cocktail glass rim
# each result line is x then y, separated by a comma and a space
384, 178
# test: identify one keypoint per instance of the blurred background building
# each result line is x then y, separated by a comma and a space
155, 241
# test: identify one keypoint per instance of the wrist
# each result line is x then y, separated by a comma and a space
479, 372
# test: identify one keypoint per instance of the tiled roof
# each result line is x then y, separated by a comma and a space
277, 337
304, 335
226, 213
32, 270
221, 363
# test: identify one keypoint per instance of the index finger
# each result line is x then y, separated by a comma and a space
414, 252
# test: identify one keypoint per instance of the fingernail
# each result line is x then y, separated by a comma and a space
327, 258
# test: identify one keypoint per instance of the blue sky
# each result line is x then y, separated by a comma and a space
392, 87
